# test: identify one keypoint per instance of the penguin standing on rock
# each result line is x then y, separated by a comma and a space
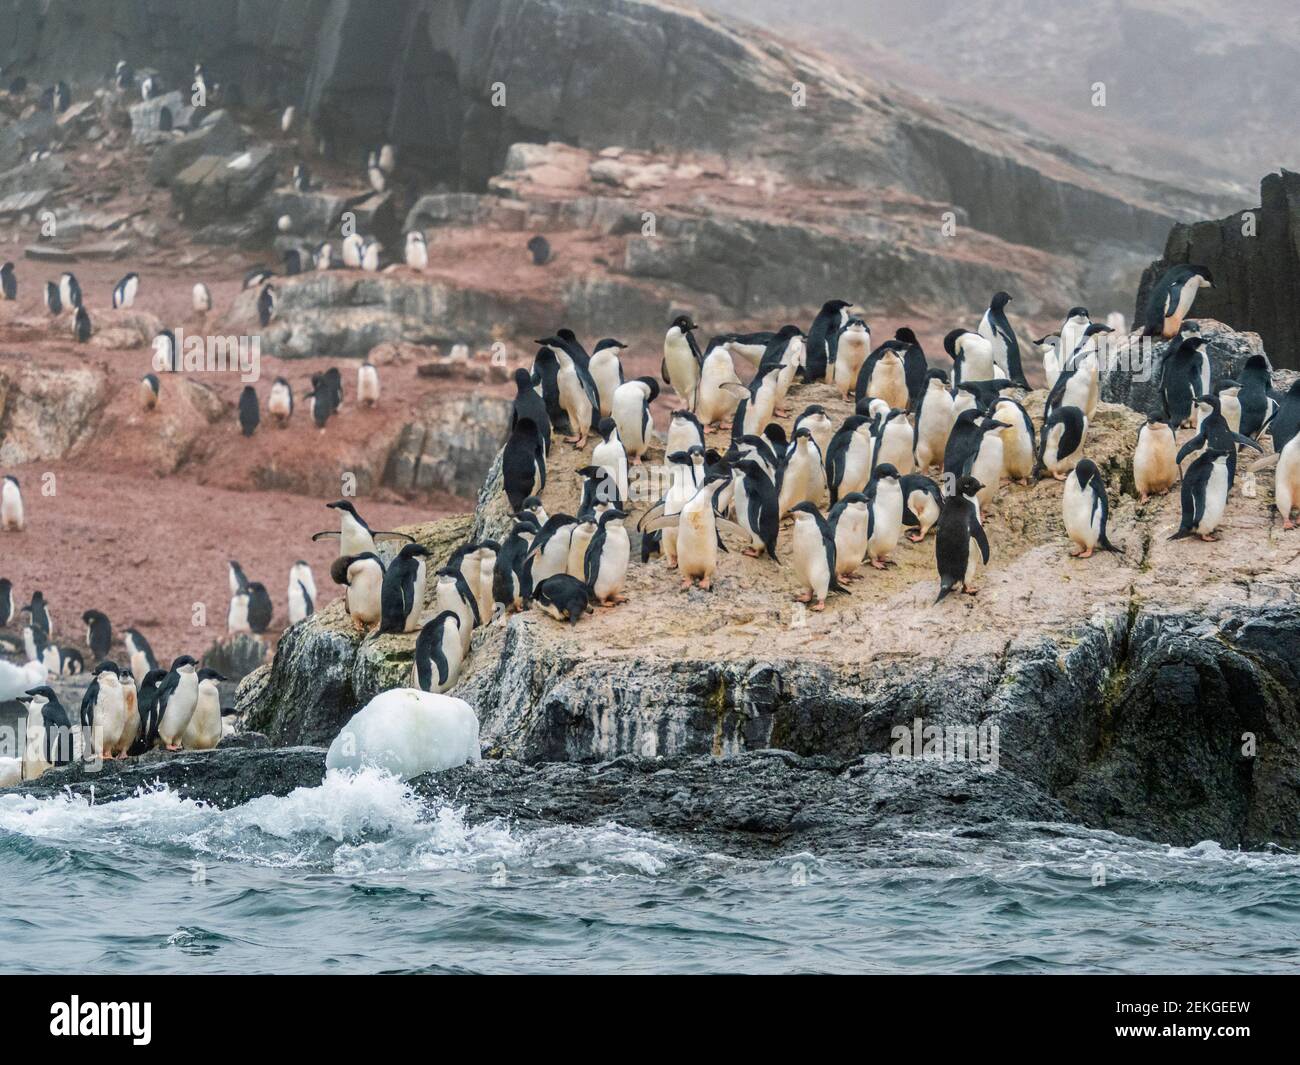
823, 338
177, 696
1256, 404
402, 596
302, 592
523, 462
99, 633
203, 730
13, 517
1154, 469
631, 411
417, 251
103, 711
81, 326
563, 597
959, 524
355, 536
1205, 495
1060, 441
280, 402
995, 328
528, 404
266, 305
1215, 432
1171, 298
922, 504
1180, 374
53, 300
367, 385
124, 291
249, 415
606, 559
363, 576
69, 290
139, 654
540, 249
453, 592
1085, 509
813, 545
682, 361
438, 654
885, 514
39, 612
606, 369
149, 389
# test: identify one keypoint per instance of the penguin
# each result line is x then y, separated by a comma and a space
895, 435
813, 550
363, 575
34, 643
1170, 299
509, 587
989, 464
1286, 485
1073, 327
1077, 383
540, 249
367, 385
353, 249
124, 291
371, 256
123, 76
69, 290
755, 412
1049, 351
985, 393
1154, 468
375, 174
1285, 422
402, 594
883, 376
49, 732
62, 661
523, 462
260, 610
606, 558
748, 346
528, 404
13, 517
266, 305
1179, 379
487, 566
279, 405
240, 600
81, 327
756, 507
1256, 404
8, 282
611, 456
355, 536
823, 336
417, 251
1018, 450
578, 398
39, 611
1214, 432
801, 478
850, 525
164, 349
815, 419
850, 457
301, 179
452, 592
1060, 441
259, 275
682, 360
325, 257
203, 730
719, 389
563, 597
959, 524
971, 354
1205, 495
287, 118
150, 688
965, 441
1085, 509
53, 301
302, 603
61, 98
177, 695
131, 721
149, 389
249, 415
922, 503
438, 654
885, 518
995, 328
99, 633
851, 352
631, 411
549, 553
933, 422
139, 654
103, 712
606, 369
1229, 393
697, 527
8, 608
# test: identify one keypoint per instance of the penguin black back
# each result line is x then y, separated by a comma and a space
249, 413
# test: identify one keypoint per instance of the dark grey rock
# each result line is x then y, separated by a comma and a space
218, 134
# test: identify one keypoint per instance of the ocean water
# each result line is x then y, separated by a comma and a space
360, 875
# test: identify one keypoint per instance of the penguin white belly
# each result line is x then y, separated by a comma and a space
761, 408
1186, 297
1051, 367
1287, 480
203, 732
1154, 468
355, 538
139, 666
987, 467
487, 570
574, 400
978, 361
180, 708
629, 402
793, 359
449, 599
932, 433
683, 370
130, 728
1216, 500
364, 597
888, 521
407, 732
604, 371
110, 719
850, 540
697, 540
849, 356
1078, 389
896, 446
11, 508
796, 484
613, 563
1230, 408
973, 562
1017, 452
926, 510
453, 654
1076, 509
612, 457
715, 403
367, 385
889, 383
810, 559
577, 557
297, 604
963, 401
237, 617
554, 557
857, 463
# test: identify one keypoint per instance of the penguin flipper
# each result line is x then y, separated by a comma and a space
979, 536
1247, 441
328, 534
665, 521
389, 537
727, 525
1193, 444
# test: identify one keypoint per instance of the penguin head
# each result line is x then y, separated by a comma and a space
1203, 272
184, 664
612, 515
683, 324
210, 674
37, 697
126, 676
346, 506
607, 428
856, 500
413, 551
105, 666
834, 306
1085, 471
968, 486
855, 325
950, 342
608, 343
886, 471
91, 616
805, 512
1208, 404
653, 387
1079, 315
936, 379
152, 679
999, 300
906, 336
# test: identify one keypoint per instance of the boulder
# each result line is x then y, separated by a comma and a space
217, 134
45, 412
215, 187
234, 657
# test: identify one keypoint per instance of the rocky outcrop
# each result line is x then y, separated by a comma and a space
1254, 256
452, 450
45, 412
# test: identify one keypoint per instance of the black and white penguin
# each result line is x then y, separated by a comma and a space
61, 98
606, 369
417, 251
293, 261
757, 508
1256, 405
1180, 378
895, 436
1154, 467
528, 403
509, 587
959, 524
150, 386
1215, 432
260, 609
850, 525
266, 305
813, 553
1205, 495
249, 411
324, 258
697, 526
563, 597
279, 404
579, 398
53, 301
1085, 509
124, 291
8, 607
258, 275
453, 592
915, 365
203, 730
922, 504
49, 732
131, 725
99, 633
883, 376
103, 712
438, 654
611, 456
353, 248
606, 558
971, 354
852, 348
363, 575
13, 516
802, 476
287, 117
823, 337
367, 384
850, 456
355, 536
1019, 453
177, 695
540, 249
372, 256
38, 612
149, 688
81, 326
123, 76
523, 462
301, 178
402, 596
965, 441
8, 282
1060, 441
302, 592
631, 410
995, 328
69, 290
933, 422
682, 361
885, 517
140, 655
1171, 298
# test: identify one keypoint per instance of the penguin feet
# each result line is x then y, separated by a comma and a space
706, 584
877, 563
806, 597
172, 746
820, 605
1287, 523
752, 552
1059, 476
1143, 497
1209, 538
915, 538
966, 589
1084, 554
686, 584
